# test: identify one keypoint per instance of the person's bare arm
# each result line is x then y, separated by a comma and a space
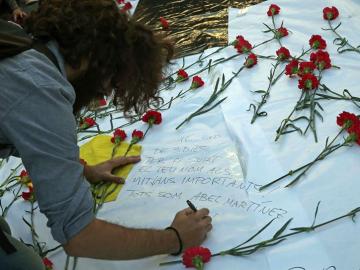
103, 240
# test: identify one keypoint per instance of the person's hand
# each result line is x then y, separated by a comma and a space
103, 171
18, 15
192, 226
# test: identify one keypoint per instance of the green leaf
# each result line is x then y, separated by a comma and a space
316, 212
282, 229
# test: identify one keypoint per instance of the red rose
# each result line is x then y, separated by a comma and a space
283, 53
250, 61
152, 117
102, 102
281, 32
330, 13
196, 257
242, 45
48, 264
136, 135
273, 10
126, 7
321, 59
292, 68
306, 68
182, 75
197, 82
308, 82
164, 23
29, 196
87, 122
119, 135
347, 120
317, 42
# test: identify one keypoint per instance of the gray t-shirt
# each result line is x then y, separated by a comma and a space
37, 123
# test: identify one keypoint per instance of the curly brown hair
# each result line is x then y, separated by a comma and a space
120, 50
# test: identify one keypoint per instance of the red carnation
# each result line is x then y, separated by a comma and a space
347, 120
273, 10
250, 61
330, 13
24, 177
164, 23
126, 7
306, 68
152, 117
321, 59
317, 42
354, 132
281, 32
119, 135
292, 68
308, 82
87, 122
196, 257
48, 264
120, 2
242, 45
102, 102
197, 82
283, 53
182, 75
29, 196
136, 135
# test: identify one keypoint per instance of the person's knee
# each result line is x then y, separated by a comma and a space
24, 258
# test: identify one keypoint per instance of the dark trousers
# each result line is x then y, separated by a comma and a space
23, 258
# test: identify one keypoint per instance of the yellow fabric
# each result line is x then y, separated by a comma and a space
100, 149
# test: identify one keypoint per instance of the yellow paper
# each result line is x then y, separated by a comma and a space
98, 150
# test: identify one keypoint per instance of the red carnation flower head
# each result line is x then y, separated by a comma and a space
321, 59
136, 135
281, 32
164, 23
250, 61
308, 82
120, 2
196, 257
126, 7
48, 264
292, 68
283, 53
24, 177
29, 195
347, 120
152, 117
242, 45
197, 82
306, 68
317, 42
273, 10
182, 75
87, 122
102, 102
119, 135
354, 134
330, 13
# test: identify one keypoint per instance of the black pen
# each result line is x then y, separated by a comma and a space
190, 204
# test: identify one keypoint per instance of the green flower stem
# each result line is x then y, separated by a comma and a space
275, 30
284, 124
11, 176
278, 237
265, 95
328, 149
208, 104
32, 228
6, 209
343, 41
